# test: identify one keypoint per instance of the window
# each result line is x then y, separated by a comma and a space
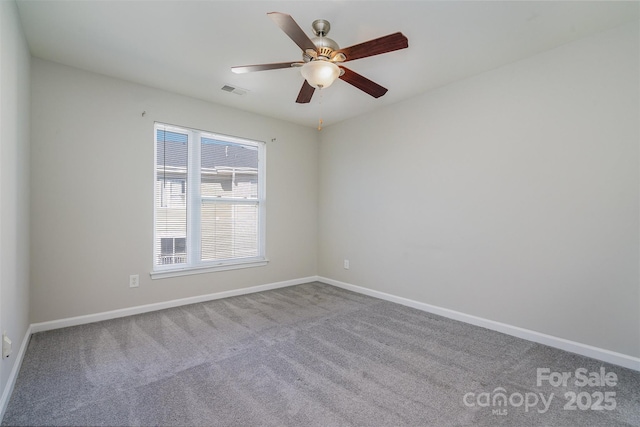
209, 201
173, 250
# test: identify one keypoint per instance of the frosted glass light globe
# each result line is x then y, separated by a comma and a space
320, 73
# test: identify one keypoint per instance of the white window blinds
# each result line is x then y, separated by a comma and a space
171, 196
229, 190
209, 199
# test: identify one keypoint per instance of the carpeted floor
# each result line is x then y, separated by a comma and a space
307, 355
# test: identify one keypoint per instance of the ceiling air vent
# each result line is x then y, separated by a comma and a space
233, 89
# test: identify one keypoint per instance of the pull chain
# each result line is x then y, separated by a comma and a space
320, 118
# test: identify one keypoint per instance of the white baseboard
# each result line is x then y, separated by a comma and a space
114, 314
560, 343
604, 355
13, 375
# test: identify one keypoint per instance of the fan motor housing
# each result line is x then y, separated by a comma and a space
325, 47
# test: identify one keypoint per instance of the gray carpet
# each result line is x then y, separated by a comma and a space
307, 355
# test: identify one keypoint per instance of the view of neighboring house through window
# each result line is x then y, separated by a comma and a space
209, 200
173, 250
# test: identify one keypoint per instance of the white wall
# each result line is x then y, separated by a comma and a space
92, 193
14, 183
512, 195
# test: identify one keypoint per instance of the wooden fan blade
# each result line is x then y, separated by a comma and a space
362, 83
263, 67
293, 30
377, 46
304, 97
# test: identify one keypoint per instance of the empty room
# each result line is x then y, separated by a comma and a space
319, 213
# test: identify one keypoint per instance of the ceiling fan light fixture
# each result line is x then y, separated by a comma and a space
320, 54
320, 73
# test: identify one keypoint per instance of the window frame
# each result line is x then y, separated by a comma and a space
194, 201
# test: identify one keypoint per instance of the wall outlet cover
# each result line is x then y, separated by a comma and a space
6, 346
134, 281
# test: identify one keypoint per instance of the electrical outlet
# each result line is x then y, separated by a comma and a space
346, 264
134, 281
6, 345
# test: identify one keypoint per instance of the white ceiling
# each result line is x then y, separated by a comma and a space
189, 47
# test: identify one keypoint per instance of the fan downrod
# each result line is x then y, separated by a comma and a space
321, 27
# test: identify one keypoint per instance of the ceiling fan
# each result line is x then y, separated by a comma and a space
321, 55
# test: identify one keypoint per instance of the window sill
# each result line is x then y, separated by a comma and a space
186, 271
